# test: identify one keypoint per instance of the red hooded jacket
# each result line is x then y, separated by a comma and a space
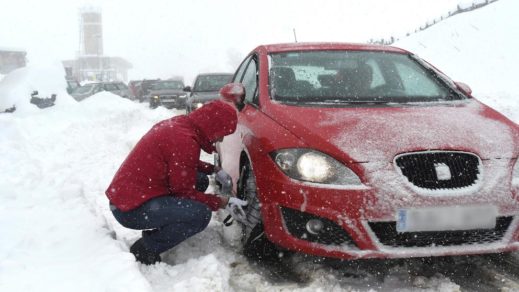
166, 159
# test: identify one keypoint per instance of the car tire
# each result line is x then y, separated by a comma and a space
255, 243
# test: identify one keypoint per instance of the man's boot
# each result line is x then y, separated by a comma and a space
143, 254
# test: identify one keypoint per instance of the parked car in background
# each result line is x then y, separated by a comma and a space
363, 151
72, 84
206, 88
89, 89
167, 93
142, 89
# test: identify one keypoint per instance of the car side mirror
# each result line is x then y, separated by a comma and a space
187, 89
233, 92
464, 88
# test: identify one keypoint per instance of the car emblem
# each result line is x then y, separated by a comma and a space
443, 171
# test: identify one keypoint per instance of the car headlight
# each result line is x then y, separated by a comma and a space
182, 96
515, 173
199, 105
314, 166
156, 97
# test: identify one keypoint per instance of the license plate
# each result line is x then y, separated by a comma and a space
446, 218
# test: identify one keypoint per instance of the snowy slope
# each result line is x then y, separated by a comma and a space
479, 48
57, 231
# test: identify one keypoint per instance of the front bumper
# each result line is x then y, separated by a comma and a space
360, 222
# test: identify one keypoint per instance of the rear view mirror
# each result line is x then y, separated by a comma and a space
464, 88
233, 92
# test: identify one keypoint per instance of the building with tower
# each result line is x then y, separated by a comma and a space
91, 64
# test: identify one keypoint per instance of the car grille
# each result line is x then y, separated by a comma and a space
387, 235
420, 168
332, 234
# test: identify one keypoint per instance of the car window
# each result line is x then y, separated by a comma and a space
164, 85
378, 78
110, 87
121, 86
239, 74
72, 84
206, 83
84, 89
250, 81
415, 80
335, 77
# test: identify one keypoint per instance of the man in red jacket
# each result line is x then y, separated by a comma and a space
159, 187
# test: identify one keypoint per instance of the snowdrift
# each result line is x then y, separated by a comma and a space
17, 86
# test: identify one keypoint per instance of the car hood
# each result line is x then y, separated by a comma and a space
167, 91
372, 134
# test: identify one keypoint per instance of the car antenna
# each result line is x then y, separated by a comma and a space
295, 36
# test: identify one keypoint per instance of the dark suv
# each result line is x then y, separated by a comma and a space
206, 89
168, 93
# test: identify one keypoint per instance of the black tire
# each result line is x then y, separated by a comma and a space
255, 243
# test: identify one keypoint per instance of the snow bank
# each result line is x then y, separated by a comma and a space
17, 86
54, 168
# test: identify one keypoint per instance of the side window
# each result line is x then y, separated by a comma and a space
239, 74
250, 81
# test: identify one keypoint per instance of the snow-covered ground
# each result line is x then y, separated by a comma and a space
57, 233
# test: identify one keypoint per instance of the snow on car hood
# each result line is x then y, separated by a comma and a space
370, 134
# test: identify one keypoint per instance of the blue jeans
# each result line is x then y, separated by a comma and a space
167, 220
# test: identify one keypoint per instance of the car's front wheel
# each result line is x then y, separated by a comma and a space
255, 242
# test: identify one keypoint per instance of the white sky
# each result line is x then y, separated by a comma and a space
162, 38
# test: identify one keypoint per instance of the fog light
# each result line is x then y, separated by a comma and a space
314, 226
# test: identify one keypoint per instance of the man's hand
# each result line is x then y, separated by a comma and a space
225, 181
235, 208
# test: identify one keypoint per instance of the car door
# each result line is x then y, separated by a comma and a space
232, 146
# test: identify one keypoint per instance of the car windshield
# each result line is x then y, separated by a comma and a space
85, 89
121, 86
72, 84
211, 82
167, 85
354, 77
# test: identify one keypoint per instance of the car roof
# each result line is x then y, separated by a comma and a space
290, 47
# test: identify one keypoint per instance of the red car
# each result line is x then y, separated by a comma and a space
362, 151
